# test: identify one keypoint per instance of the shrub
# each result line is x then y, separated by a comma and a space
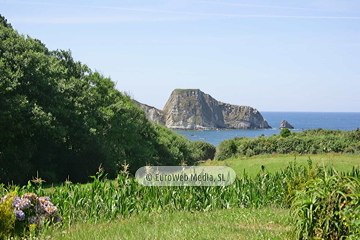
207, 150
7, 216
285, 132
226, 149
315, 141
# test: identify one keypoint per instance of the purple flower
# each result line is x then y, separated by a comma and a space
43, 199
22, 204
39, 208
20, 215
48, 203
16, 201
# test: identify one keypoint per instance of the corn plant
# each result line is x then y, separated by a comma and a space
324, 209
295, 186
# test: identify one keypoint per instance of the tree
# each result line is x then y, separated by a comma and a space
285, 132
4, 23
60, 118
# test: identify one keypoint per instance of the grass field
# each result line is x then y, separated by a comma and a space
272, 163
251, 208
265, 223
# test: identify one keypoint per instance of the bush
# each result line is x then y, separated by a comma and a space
7, 216
285, 132
226, 149
207, 150
307, 142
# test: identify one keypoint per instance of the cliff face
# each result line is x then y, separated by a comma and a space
193, 109
152, 113
242, 117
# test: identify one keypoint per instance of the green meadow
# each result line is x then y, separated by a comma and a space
272, 163
234, 223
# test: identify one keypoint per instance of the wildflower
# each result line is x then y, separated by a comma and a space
31, 196
20, 215
51, 211
39, 208
43, 199
32, 227
16, 201
48, 203
21, 203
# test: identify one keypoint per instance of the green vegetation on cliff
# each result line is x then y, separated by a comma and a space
179, 90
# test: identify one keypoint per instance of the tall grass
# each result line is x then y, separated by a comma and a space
327, 208
105, 200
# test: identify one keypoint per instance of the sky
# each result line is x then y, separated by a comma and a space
300, 56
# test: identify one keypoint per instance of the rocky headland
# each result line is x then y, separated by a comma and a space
193, 109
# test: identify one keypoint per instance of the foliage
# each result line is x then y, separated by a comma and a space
26, 214
4, 23
326, 208
104, 200
315, 141
207, 150
7, 216
60, 118
285, 132
227, 148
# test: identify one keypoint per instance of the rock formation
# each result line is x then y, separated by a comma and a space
194, 109
152, 113
286, 124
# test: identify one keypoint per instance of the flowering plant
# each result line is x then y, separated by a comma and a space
30, 211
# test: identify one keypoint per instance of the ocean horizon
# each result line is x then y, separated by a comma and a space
346, 121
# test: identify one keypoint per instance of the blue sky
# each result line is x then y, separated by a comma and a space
271, 55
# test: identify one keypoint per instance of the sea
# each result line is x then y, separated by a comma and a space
300, 120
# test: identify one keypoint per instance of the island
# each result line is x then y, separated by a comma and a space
192, 109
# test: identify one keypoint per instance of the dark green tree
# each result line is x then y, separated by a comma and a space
60, 118
285, 132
